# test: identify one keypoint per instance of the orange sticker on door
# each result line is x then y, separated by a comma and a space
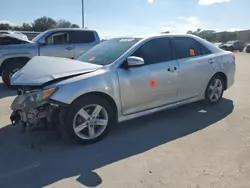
92, 59
152, 83
192, 52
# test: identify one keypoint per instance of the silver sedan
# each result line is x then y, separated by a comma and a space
118, 80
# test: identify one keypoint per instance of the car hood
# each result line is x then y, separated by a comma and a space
41, 70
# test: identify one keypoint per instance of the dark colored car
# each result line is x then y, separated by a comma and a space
233, 46
248, 48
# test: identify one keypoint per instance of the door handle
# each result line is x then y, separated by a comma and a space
69, 48
211, 61
172, 69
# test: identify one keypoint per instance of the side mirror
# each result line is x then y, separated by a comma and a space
134, 61
42, 41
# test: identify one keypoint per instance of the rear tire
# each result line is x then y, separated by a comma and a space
214, 90
8, 71
84, 128
231, 49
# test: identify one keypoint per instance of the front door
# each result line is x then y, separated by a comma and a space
58, 45
153, 84
196, 66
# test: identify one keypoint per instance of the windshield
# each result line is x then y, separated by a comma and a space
36, 39
108, 51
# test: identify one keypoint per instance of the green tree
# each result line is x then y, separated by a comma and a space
74, 26
40, 24
205, 34
44, 23
5, 26
63, 24
26, 27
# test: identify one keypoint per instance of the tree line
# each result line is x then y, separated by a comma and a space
214, 36
39, 25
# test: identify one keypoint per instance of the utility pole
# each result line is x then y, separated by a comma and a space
82, 13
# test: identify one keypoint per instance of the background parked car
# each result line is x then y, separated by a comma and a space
63, 42
248, 48
15, 34
233, 46
217, 44
8, 39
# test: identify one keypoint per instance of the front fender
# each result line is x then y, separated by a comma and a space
16, 51
98, 81
11, 56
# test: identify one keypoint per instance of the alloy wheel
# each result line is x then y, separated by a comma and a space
13, 72
90, 121
215, 90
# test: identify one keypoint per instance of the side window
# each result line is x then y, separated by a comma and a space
155, 51
58, 38
186, 47
82, 36
204, 50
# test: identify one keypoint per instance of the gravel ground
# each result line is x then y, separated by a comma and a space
193, 146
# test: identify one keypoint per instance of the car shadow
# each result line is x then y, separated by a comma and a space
6, 92
30, 162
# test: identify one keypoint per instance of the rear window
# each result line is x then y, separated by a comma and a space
185, 47
82, 36
204, 50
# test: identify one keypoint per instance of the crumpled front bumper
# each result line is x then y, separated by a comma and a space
15, 117
46, 114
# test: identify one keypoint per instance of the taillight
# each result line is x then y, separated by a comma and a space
233, 57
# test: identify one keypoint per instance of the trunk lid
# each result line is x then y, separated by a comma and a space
40, 70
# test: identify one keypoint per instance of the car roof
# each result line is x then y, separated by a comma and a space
206, 43
71, 29
162, 34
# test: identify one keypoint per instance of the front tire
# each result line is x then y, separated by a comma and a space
8, 71
88, 119
214, 90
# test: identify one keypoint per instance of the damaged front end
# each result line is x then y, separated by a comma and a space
33, 109
33, 106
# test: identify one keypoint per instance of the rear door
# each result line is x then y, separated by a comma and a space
196, 65
83, 41
58, 45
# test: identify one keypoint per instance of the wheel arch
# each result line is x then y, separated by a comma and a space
224, 77
104, 96
21, 59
